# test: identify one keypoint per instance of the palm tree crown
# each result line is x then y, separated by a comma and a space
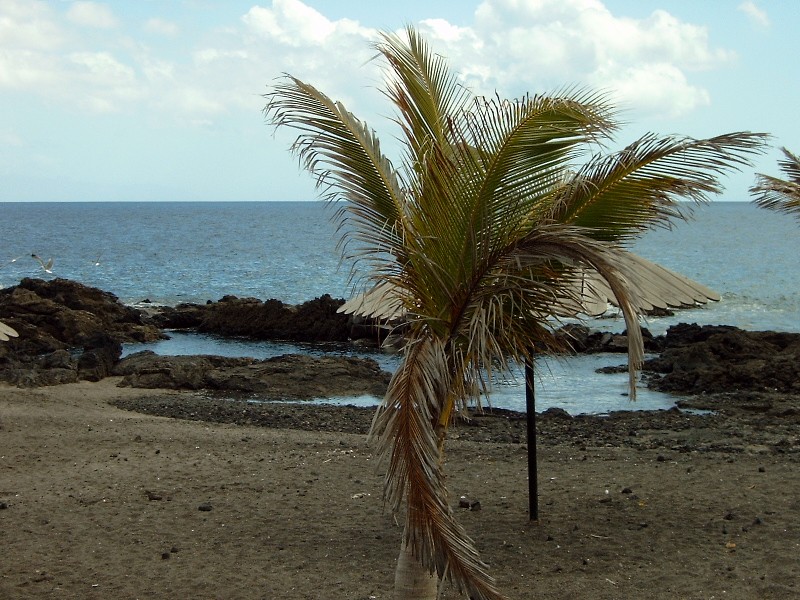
482, 229
780, 194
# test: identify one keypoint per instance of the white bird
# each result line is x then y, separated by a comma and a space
13, 260
47, 266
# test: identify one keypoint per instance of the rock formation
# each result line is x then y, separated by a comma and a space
68, 331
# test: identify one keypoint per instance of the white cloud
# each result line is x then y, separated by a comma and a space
443, 30
209, 55
518, 46
291, 37
30, 41
656, 88
161, 27
102, 69
107, 85
20, 69
512, 47
289, 22
10, 139
91, 14
194, 101
28, 25
755, 14
158, 71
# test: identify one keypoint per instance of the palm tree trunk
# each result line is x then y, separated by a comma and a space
412, 581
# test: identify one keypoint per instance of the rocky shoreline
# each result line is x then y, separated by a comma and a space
70, 332
759, 423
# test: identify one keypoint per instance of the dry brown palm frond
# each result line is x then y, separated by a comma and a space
405, 429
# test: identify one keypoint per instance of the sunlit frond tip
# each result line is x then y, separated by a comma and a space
782, 195
6, 332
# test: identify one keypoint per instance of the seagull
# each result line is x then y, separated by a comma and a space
13, 260
47, 266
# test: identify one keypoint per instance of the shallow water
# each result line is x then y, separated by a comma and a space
569, 383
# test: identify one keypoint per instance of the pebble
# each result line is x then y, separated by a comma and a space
205, 507
464, 502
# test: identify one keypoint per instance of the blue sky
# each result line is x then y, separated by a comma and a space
161, 100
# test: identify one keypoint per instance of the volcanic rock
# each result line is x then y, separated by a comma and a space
60, 314
67, 331
714, 358
287, 377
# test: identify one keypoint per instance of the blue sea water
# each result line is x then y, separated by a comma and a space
193, 252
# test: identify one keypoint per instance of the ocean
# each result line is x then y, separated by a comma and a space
172, 252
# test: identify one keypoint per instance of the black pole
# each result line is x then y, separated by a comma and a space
530, 407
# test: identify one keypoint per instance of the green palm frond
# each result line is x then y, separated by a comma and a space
509, 155
620, 195
782, 195
533, 135
345, 156
425, 92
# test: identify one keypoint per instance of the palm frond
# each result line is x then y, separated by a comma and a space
782, 195
345, 156
426, 93
405, 429
429, 101
508, 157
7, 332
620, 195
525, 143
510, 312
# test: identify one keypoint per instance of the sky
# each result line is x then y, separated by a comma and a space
161, 100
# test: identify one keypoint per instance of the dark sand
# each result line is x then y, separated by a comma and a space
102, 502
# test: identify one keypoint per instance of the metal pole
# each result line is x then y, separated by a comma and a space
530, 407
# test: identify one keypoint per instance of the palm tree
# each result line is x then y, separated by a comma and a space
779, 194
479, 235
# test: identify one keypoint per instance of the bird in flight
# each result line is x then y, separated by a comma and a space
47, 266
13, 260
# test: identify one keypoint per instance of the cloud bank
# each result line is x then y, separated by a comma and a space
85, 55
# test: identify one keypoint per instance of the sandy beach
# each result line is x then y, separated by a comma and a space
101, 502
